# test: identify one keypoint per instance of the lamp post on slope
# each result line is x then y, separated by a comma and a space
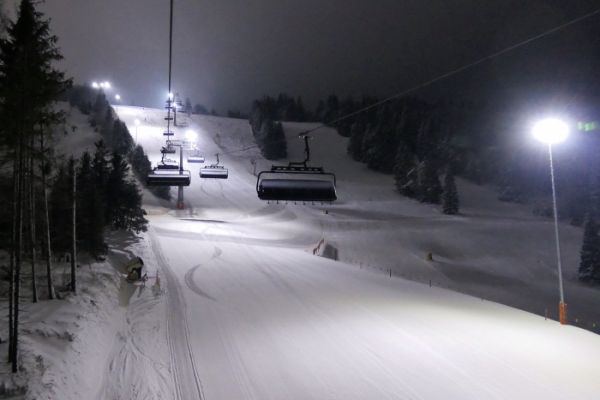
552, 131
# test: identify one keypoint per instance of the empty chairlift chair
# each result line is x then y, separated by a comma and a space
214, 171
297, 182
195, 157
169, 173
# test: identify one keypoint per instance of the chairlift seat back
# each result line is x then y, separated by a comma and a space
214, 171
168, 178
195, 159
167, 166
289, 189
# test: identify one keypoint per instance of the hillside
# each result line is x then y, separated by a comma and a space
495, 250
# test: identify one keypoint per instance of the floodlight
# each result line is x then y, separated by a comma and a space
550, 131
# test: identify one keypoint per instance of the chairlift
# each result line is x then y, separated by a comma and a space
167, 164
161, 177
168, 149
168, 172
297, 181
214, 171
195, 157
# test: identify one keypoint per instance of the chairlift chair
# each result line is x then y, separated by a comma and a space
214, 171
297, 181
196, 158
168, 149
167, 164
162, 177
168, 172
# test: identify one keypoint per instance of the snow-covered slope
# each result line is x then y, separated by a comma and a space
254, 314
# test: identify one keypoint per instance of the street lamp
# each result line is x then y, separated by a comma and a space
117, 97
137, 123
552, 131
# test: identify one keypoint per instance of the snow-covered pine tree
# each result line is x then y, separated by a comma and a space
430, 188
450, 196
589, 264
357, 133
405, 171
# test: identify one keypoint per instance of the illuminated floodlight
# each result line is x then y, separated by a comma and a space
550, 131
117, 97
106, 84
191, 135
170, 95
95, 85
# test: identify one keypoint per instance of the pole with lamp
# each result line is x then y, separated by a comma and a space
553, 131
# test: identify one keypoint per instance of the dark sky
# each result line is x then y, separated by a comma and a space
229, 52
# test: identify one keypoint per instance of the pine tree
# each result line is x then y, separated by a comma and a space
114, 187
589, 265
357, 133
430, 188
59, 207
86, 199
29, 84
450, 195
405, 171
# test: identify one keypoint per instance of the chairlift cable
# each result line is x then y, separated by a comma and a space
439, 77
456, 71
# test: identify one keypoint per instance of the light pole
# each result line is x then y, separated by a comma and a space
552, 131
137, 123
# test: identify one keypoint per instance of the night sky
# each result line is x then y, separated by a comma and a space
229, 52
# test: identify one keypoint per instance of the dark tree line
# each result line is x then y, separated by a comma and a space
29, 85
48, 201
114, 132
106, 197
268, 132
408, 138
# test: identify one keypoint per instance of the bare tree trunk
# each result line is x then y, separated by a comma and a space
18, 260
13, 246
74, 231
48, 243
32, 221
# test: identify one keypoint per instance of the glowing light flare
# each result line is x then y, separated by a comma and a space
191, 135
550, 131
117, 97
95, 85
170, 95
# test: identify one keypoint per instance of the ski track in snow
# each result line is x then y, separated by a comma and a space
183, 365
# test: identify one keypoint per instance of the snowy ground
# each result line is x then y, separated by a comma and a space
252, 313
238, 307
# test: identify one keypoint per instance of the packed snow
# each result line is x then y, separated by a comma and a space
249, 300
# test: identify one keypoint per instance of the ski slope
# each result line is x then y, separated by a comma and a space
251, 313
